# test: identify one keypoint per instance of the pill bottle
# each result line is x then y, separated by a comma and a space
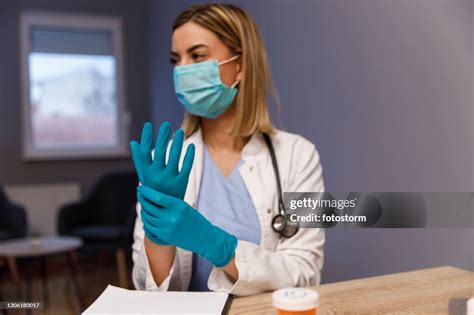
295, 301
470, 306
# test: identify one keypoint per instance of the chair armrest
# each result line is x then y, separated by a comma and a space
73, 215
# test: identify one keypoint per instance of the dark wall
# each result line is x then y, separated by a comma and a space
15, 171
165, 107
385, 91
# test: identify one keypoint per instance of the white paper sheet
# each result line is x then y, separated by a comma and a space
116, 300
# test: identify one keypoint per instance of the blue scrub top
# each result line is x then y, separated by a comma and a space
226, 203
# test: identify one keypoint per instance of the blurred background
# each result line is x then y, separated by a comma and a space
385, 89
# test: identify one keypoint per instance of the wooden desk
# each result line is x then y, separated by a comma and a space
426, 291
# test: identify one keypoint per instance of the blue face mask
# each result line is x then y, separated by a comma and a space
199, 88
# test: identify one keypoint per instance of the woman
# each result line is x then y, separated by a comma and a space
216, 233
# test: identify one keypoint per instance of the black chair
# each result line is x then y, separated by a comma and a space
13, 222
104, 220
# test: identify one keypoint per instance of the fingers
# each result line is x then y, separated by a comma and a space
188, 161
136, 158
150, 220
151, 225
147, 205
175, 151
141, 152
161, 145
146, 143
158, 198
145, 164
155, 226
149, 212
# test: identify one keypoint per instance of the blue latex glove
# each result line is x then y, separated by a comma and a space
169, 219
155, 173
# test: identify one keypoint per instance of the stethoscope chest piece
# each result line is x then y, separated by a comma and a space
291, 229
284, 227
278, 223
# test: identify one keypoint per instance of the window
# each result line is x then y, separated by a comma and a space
72, 86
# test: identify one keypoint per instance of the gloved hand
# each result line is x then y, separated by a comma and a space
155, 173
169, 219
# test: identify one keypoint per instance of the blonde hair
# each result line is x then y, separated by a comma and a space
238, 31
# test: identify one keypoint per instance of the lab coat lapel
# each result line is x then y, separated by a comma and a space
254, 172
196, 172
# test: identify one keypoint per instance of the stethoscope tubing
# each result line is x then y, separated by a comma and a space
283, 228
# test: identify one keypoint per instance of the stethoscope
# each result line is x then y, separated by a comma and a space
280, 224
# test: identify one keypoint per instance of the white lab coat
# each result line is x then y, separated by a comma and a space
275, 263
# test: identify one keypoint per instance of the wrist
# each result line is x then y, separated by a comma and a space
150, 244
220, 248
160, 259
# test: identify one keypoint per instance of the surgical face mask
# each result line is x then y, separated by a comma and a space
200, 89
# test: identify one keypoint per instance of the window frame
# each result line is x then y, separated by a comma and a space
27, 20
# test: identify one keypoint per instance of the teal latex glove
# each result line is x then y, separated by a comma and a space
156, 173
169, 219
